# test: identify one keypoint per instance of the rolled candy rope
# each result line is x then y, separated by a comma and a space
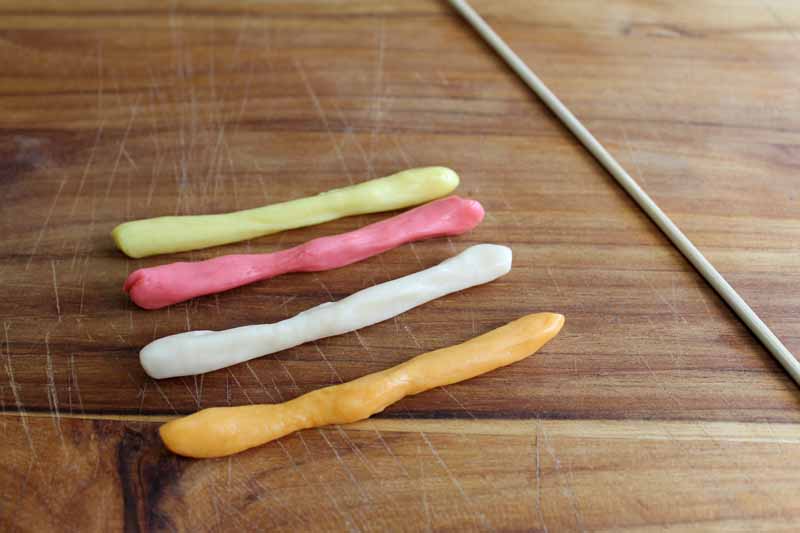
220, 431
163, 235
160, 286
194, 352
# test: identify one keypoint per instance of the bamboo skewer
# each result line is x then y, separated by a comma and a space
770, 341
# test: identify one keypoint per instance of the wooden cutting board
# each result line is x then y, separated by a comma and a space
654, 407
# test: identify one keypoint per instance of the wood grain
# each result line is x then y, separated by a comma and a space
410, 475
123, 110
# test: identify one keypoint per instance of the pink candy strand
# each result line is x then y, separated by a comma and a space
157, 287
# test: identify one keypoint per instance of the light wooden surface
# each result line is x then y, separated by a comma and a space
654, 409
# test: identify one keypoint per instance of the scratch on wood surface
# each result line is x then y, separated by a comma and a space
660, 296
121, 338
112, 176
52, 392
12, 383
193, 125
100, 77
675, 359
416, 255
370, 423
189, 390
752, 485
511, 210
275, 386
658, 382
74, 255
318, 107
423, 490
365, 497
55, 289
411, 334
455, 482
364, 345
403, 153
324, 287
539, 510
239, 384
141, 394
214, 497
88, 166
166, 399
351, 136
325, 487
632, 154
458, 402
358, 453
264, 191
98, 135
214, 167
74, 384
783, 25
377, 111
700, 289
246, 96
327, 361
88, 236
154, 114
285, 304
260, 383
45, 224
234, 178
24, 486
156, 169
273, 494
130, 160
775, 438
472, 320
553, 279
566, 484
186, 315
285, 503
291, 377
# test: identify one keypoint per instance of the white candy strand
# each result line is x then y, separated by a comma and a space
195, 352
